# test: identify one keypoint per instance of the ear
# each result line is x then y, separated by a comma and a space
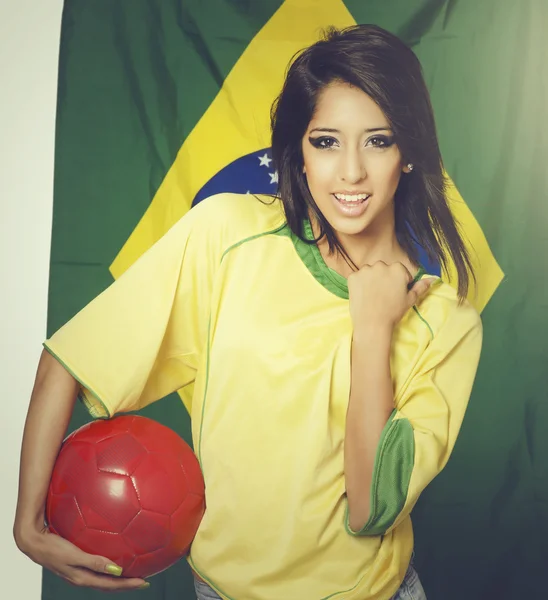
304, 169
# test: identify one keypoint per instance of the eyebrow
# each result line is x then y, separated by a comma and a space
330, 130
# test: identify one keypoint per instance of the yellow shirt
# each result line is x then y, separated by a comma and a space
248, 321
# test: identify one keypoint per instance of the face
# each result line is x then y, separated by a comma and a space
351, 162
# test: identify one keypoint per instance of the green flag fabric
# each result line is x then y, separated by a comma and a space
161, 104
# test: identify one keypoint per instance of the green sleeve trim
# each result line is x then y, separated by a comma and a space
97, 409
392, 471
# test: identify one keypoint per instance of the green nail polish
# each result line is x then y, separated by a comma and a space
144, 586
114, 570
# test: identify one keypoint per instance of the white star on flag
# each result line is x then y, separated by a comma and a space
274, 177
264, 160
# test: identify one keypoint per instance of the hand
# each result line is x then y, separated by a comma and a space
379, 295
69, 562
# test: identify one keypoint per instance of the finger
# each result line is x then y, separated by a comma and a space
419, 289
106, 583
75, 557
106, 569
406, 271
432, 281
92, 562
375, 264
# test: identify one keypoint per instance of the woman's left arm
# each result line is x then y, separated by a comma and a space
392, 453
369, 409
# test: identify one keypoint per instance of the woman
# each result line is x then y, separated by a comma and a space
327, 376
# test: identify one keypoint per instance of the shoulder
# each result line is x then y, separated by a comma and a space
202, 236
446, 317
230, 218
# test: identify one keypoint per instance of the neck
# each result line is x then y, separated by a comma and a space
366, 248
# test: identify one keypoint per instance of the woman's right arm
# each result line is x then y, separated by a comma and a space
50, 409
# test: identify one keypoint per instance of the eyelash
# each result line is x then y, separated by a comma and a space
319, 142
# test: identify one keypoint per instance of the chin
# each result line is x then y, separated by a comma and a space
350, 227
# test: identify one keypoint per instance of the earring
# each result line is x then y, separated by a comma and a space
410, 167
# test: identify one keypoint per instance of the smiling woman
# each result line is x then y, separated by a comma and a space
353, 116
353, 168
304, 323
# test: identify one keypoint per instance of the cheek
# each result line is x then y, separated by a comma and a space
387, 174
318, 183
395, 176
315, 172
318, 169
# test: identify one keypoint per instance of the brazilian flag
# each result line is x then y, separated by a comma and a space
162, 103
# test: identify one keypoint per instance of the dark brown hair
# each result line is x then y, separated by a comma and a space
380, 64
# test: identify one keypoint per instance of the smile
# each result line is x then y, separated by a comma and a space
351, 197
351, 205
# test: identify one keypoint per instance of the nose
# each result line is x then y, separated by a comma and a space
352, 169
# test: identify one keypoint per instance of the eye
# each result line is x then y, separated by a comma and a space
323, 143
380, 141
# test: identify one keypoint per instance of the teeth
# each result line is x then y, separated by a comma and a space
351, 197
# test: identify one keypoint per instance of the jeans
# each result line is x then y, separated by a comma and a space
410, 589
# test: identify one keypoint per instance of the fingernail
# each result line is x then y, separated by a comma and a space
144, 586
114, 570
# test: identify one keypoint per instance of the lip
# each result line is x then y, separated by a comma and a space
351, 210
352, 193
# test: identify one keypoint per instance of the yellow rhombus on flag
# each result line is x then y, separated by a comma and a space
237, 124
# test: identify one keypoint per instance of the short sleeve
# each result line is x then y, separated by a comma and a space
141, 339
419, 437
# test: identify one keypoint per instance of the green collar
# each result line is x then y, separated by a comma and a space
311, 256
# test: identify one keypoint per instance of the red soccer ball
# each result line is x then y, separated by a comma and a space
128, 489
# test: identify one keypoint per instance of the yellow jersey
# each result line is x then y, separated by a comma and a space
246, 320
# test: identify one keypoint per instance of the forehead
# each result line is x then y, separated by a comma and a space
341, 105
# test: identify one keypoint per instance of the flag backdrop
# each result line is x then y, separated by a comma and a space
164, 103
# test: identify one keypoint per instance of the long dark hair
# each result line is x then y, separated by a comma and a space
380, 64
